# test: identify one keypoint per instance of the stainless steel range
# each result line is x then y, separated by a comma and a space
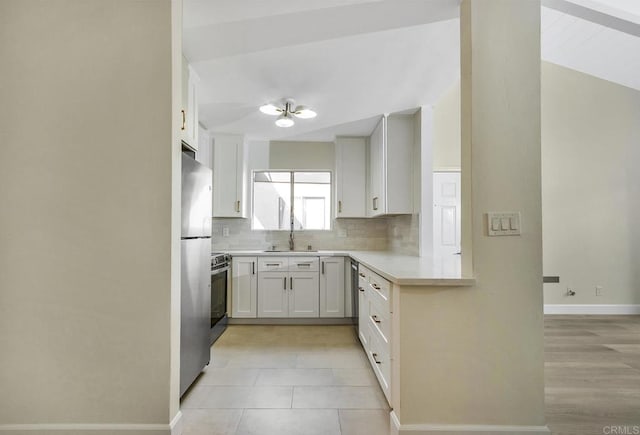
220, 266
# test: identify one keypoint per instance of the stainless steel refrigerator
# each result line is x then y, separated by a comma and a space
195, 249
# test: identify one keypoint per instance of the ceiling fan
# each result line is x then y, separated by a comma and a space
286, 110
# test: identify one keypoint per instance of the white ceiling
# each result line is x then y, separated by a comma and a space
352, 60
591, 47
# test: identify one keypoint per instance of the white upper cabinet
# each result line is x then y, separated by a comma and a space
391, 148
351, 177
204, 147
189, 127
229, 176
376, 198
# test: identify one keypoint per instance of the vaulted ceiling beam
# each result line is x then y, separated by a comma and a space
593, 15
265, 33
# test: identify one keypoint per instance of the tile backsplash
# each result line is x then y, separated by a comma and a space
404, 234
398, 234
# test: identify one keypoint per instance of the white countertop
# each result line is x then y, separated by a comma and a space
399, 269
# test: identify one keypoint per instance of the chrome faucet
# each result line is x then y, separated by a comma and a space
291, 244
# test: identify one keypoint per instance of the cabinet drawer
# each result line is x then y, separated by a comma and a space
380, 320
380, 285
378, 355
303, 264
273, 264
363, 276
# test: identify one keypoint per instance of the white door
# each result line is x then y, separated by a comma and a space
273, 298
446, 213
303, 295
243, 286
332, 287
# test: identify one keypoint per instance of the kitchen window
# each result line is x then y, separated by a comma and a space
281, 198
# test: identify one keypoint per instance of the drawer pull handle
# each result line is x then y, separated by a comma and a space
304, 264
285, 283
375, 319
375, 286
253, 267
361, 289
272, 264
361, 274
375, 358
290, 283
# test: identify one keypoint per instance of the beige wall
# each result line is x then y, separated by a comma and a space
446, 130
591, 188
474, 355
301, 155
590, 185
85, 227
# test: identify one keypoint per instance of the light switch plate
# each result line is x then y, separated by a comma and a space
503, 223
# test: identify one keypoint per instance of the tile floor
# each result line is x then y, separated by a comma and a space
286, 380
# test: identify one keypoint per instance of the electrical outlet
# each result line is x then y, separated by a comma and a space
598, 290
225, 231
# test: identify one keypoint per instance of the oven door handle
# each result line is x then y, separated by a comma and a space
218, 271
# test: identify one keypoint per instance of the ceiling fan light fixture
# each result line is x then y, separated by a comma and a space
284, 121
285, 112
304, 112
270, 109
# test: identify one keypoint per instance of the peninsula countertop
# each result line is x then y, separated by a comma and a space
405, 270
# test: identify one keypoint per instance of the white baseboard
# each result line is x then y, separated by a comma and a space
591, 309
173, 428
462, 429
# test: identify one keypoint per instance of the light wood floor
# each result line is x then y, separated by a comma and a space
592, 374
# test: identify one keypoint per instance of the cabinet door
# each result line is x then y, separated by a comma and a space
243, 287
192, 110
273, 294
377, 200
204, 148
363, 310
331, 287
189, 124
399, 164
303, 294
351, 194
227, 197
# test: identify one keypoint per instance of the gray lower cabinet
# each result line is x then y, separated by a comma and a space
244, 287
332, 287
281, 287
288, 294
